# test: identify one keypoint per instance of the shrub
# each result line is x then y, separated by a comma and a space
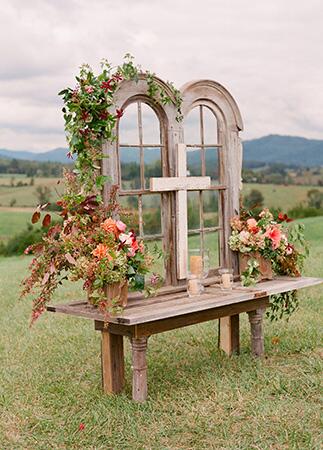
300, 211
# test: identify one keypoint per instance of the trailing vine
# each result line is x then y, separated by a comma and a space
90, 117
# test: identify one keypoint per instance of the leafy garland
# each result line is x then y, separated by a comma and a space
90, 116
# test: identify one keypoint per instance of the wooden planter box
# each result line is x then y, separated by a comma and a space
115, 291
265, 268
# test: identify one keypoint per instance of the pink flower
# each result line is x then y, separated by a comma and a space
252, 225
244, 236
289, 249
126, 239
89, 89
275, 235
121, 226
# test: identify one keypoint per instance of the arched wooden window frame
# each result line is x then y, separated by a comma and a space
130, 92
214, 96
202, 92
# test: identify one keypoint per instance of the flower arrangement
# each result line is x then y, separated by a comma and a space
283, 245
91, 244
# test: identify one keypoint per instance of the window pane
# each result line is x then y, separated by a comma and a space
193, 210
158, 266
192, 133
130, 168
129, 215
210, 208
194, 164
128, 126
211, 243
151, 207
212, 165
152, 161
150, 125
210, 131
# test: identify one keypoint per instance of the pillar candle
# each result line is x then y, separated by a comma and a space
196, 265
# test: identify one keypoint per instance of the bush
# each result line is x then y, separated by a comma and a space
300, 211
18, 243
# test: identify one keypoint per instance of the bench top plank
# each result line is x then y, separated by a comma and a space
178, 303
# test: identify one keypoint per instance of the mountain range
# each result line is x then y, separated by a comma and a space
288, 150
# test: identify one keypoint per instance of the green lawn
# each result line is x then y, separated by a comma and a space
13, 222
198, 398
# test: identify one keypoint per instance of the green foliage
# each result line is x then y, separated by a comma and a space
250, 276
253, 200
282, 306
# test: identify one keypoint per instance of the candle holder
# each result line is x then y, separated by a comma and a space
198, 270
226, 279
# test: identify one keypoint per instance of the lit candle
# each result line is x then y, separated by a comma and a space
196, 265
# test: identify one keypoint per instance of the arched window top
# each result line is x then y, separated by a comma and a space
216, 97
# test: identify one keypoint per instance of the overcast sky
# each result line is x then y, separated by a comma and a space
269, 54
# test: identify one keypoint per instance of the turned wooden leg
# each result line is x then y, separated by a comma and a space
229, 334
139, 367
112, 358
257, 334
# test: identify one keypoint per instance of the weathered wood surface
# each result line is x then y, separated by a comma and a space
229, 334
139, 369
183, 183
179, 304
112, 359
257, 333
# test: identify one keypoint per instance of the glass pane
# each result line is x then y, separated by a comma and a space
212, 164
151, 207
211, 243
194, 164
128, 126
210, 208
194, 242
129, 214
193, 210
130, 168
192, 133
152, 161
150, 125
158, 266
209, 127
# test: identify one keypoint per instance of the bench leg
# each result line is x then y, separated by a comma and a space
112, 358
257, 334
139, 367
229, 334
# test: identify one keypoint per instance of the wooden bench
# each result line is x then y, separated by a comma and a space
167, 311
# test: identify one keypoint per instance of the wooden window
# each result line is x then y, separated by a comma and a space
141, 148
204, 146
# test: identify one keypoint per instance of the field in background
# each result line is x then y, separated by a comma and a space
198, 398
280, 196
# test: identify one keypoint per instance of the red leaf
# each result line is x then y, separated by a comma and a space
81, 426
70, 258
47, 220
35, 217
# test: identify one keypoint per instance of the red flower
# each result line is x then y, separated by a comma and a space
81, 427
119, 113
117, 77
106, 86
103, 115
85, 115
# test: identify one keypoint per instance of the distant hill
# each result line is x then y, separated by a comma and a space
56, 155
289, 150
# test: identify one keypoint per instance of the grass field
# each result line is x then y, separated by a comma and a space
198, 398
25, 195
278, 196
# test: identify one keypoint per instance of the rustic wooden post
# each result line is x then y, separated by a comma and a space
112, 358
139, 367
229, 334
257, 334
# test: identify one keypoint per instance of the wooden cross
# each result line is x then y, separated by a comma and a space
181, 184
